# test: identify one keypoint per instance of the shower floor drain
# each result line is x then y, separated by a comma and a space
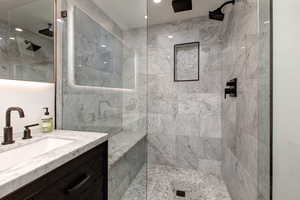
181, 190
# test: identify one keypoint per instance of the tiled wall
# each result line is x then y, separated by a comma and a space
184, 117
18, 63
109, 97
245, 166
135, 102
89, 108
106, 63
114, 94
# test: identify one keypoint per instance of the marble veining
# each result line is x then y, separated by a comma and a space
113, 63
184, 118
245, 131
24, 173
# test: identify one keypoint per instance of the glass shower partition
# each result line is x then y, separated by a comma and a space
102, 87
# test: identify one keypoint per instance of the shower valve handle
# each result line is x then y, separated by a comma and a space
231, 89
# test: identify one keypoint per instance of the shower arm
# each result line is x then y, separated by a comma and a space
224, 4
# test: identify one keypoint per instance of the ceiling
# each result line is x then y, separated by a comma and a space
126, 13
31, 15
34, 15
163, 12
131, 13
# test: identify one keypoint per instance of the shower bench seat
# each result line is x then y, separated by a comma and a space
126, 157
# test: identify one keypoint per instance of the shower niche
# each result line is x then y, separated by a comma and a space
186, 62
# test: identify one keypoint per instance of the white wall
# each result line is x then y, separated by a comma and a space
31, 96
286, 100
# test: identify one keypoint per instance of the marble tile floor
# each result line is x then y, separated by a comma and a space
164, 180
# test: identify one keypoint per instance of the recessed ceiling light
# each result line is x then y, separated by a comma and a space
146, 17
0, 38
156, 1
103, 46
105, 62
170, 36
19, 29
12, 38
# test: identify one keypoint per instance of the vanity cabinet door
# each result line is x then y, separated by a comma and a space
84, 178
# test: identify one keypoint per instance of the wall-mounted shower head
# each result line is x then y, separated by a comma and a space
47, 31
31, 46
218, 14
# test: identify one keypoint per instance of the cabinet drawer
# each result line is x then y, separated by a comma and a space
82, 187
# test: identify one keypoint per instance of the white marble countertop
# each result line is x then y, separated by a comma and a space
23, 173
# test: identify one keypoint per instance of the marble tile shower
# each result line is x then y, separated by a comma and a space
191, 125
246, 119
168, 136
184, 130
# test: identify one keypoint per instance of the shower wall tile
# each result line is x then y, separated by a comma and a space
184, 124
212, 167
188, 151
210, 126
161, 149
247, 154
91, 112
180, 124
238, 178
245, 165
211, 149
247, 107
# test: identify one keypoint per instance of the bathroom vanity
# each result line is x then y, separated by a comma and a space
60, 165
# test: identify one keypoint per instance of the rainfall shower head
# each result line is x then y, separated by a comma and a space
47, 31
32, 47
182, 5
218, 14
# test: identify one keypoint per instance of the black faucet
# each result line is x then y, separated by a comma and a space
8, 129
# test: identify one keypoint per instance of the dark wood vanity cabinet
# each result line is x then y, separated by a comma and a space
84, 178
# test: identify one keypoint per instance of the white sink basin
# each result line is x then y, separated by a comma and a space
25, 153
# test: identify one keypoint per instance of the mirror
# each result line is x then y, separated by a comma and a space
26, 40
111, 65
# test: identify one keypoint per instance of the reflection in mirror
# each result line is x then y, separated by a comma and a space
26, 40
107, 63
